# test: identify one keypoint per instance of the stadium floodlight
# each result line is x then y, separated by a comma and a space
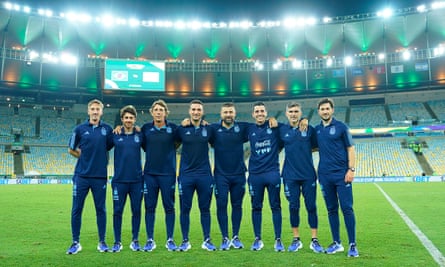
438, 5
406, 55
329, 62
48, 13
258, 65
262, 24
50, 58
147, 23
121, 21
45, 12
245, 24
16, 7
106, 20
194, 25
68, 59
421, 8
180, 25
71, 16
134, 22
385, 13
381, 56
8, 5
289, 22
327, 19
33, 55
277, 65
27, 9
348, 61
268, 24
438, 51
233, 24
297, 64
84, 18
310, 21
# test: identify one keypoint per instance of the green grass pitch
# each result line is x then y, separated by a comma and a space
35, 231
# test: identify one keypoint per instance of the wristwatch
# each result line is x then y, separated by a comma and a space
352, 169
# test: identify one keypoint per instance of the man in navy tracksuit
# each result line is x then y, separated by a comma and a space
127, 179
195, 175
90, 143
265, 145
160, 143
229, 171
336, 173
299, 175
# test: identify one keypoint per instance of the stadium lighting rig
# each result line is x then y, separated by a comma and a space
110, 20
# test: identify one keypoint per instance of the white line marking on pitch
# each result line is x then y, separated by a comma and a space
435, 253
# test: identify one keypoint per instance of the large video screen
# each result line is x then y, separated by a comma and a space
135, 75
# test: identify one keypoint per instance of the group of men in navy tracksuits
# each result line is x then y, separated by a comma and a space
160, 139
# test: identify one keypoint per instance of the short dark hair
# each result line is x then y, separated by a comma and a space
326, 101
228, 105
128, 109
196, 101
258, 103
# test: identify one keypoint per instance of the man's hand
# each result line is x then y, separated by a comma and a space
349, 176
185, 122
118, 129
303, 124
273, 123
75, 153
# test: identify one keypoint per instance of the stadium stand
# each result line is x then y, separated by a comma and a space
383, 157
6, 163
48, 160
402, 111
438, 107
360, 116
435, 154
375, 156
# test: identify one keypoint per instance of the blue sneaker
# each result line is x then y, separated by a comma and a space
134, 245
225, 244
74, 248
279, 247
102, 247
208, 245
257, 245
170, 245
150, 245
316, 247
236, 243
353, 251
117, 247
295, 245
334, 248
185, 245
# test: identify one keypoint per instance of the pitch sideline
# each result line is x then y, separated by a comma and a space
431, 248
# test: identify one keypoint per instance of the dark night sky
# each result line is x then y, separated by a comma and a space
224, 10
